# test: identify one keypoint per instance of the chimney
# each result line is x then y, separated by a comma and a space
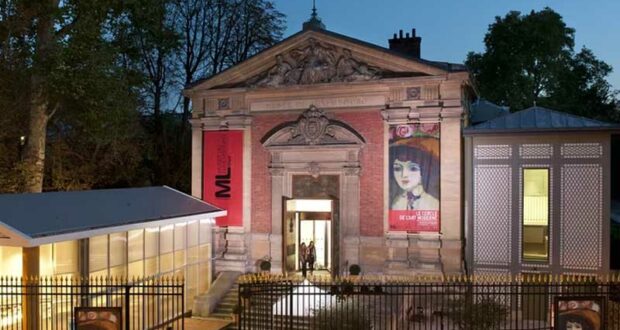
408, 45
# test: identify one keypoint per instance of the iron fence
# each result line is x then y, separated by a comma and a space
50, 303
426, 302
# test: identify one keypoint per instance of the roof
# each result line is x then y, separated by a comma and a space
483, 110
445, 66
39, 218
539, 119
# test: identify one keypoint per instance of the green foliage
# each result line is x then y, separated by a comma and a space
342, 316
530, 59
483, 314
110, 77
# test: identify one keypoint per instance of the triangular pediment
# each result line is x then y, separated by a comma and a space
318, 56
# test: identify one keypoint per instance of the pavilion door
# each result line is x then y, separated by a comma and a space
335, 240
289, 235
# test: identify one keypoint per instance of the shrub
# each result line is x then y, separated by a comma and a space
355, 269
265, 265
479, 315
342, 316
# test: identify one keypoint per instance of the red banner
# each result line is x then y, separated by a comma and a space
223, 174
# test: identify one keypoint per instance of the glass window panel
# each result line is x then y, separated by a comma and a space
165, 239
192, 233
46, 260
151, 242
205, 252
203, 278
98, 253
135, 269
151, 266
98, 274
179, 259
165, 262
180, 234
191, 282
120, 271
10, 261
536, 214
205, 231
179, 274
135, 245
66, 258
192, 255
118, 249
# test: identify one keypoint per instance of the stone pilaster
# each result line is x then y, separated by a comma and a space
351, 215
277, 180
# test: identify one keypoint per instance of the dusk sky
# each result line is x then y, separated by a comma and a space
450, 28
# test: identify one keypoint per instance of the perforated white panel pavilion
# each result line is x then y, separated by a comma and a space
492, 209
581, 221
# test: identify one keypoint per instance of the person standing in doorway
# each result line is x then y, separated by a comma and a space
311, 257
303, 258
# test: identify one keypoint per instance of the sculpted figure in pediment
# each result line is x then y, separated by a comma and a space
350, 69
315, 63
278, 74
318, 63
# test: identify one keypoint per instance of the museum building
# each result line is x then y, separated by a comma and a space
329, 139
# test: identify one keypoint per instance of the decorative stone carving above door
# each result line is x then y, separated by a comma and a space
312, 128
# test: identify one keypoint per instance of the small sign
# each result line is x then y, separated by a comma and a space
98, 318
579, 312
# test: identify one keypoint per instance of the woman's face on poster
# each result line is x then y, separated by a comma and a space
407, 174
573, 326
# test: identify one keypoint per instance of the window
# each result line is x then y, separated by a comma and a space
98, 254
535, 214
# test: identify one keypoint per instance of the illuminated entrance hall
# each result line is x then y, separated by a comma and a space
312, 223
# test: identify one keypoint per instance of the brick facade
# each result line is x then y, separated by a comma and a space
261, 179
369, 124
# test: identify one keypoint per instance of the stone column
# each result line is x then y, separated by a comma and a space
350, 215
451, 191
196, 173
275, 239
30, 302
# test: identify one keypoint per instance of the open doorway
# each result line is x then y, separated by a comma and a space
309, 220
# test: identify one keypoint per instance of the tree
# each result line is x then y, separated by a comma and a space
530, 59
63, 57
90, 89
217, 34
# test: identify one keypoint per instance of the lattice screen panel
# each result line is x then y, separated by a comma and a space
581, 211
582, 150
492, 214
493, 151
536, 151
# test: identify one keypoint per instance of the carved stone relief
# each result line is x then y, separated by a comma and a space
314, 128
307, 186
315, 63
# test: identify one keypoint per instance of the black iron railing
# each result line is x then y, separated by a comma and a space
427, 302
50, 303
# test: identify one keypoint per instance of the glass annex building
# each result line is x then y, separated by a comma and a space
125, 235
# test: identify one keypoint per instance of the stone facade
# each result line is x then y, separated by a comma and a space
359, 90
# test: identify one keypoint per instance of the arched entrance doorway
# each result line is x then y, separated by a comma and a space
314, 158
